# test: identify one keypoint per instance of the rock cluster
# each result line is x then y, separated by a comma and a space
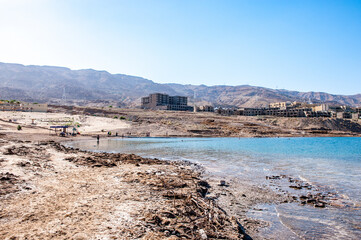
308, 194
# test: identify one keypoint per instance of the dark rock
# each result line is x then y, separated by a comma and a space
273, 177
203, 191
312, 200
169, 215
320, 205
204, 184
303, 197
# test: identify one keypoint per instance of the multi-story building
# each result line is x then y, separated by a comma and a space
285, 105
297, 109
178, 100
280, 112
321, 108
159, 101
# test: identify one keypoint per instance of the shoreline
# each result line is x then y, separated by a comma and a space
234, 201
24, 171
183, 210
300, 192
35, 171
253, 196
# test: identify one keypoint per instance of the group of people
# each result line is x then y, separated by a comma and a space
109, 134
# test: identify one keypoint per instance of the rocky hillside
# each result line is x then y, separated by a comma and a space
45, 83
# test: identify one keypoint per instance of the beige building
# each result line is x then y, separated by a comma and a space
355, 116
285, 105
280, 105
321, 108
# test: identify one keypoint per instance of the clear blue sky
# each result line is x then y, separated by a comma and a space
304, 45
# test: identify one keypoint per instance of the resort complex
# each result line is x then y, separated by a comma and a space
296, 109
159, 101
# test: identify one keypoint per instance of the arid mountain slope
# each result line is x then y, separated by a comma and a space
43, 83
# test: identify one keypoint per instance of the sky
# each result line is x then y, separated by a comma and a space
302, 45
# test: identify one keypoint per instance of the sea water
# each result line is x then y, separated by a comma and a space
333, 163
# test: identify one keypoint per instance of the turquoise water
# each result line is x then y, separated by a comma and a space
333, 163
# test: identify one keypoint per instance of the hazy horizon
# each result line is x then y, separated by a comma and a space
294, 45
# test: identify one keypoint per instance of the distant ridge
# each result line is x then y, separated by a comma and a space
46, 83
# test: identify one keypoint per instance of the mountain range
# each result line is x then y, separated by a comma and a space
48, 83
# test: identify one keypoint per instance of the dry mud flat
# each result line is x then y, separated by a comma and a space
52, 192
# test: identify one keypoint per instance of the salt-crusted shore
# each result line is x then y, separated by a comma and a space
52, 192
48, 191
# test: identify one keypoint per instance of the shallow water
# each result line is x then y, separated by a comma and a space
333, 163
